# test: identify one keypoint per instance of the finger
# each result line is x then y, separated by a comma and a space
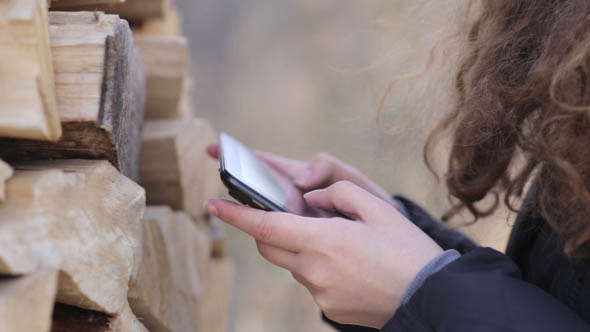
317, 174
351, 200
284, 230
280, 257
300, 279
291, 168
213, 150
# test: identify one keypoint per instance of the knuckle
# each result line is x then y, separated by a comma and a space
343, 186
331, 159
323, 156
300, 279
318, 278
323, 159
262, 249
263, 229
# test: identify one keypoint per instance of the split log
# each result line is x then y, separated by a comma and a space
149, 289
175, 168
186, 109
67, 318
80, 216
166, 64
165, 291
28, 107
170, 24
5, 173
131, 10
218, 237
100, 87
65, 4
213, 316
126, 321
201, 242
26, 302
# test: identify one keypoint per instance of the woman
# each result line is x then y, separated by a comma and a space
521, 89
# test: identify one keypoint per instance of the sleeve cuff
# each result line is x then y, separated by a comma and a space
435, 265
399, 205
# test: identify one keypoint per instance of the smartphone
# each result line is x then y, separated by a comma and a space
252, 181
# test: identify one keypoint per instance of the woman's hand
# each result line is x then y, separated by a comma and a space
357, 271
323, 171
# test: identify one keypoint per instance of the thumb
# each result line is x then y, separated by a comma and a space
353, 201
213, 150
318, 174
288, 167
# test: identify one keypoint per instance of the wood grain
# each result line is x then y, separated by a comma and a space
80, 216
5, 173
28, 107
186, 109
100, 86
68, 318
131, 10
170, 24
213, 316
165, 291
219, 247
166, 63
65, 4
26, 302
201, 242
175, 168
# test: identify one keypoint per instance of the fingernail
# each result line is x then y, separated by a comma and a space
212, 209
303, 178
311, 193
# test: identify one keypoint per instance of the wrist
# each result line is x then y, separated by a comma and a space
411, 276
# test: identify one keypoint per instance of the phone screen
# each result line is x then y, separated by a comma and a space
246, 167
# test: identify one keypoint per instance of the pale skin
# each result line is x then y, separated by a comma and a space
356, 270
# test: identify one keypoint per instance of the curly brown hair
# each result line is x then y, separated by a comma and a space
522, 90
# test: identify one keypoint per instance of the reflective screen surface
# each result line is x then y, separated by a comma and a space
246, 167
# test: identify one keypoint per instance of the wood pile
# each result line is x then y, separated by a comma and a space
96, 121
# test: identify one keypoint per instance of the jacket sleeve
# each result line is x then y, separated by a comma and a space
446, 238
346, 327
482, 292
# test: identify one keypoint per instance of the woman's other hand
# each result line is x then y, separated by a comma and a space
323, 171
357, 270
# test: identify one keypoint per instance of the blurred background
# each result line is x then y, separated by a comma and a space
301, 77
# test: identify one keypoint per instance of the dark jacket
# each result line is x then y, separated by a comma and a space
533, 288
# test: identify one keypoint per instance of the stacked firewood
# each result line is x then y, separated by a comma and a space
96, 121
